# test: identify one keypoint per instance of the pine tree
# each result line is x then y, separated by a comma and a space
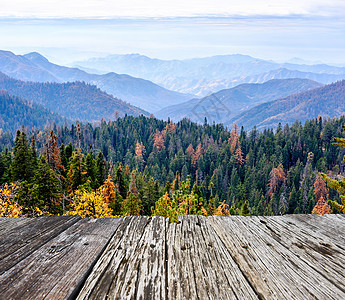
48, 188
76, 174
120, 182
91, 171
131, 205
245, 209
101, 168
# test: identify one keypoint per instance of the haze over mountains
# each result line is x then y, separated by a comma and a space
201, 76
137, 91
74, 100
296, 89
326, 101
221, 106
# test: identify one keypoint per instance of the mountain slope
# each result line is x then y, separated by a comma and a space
137, 91
226, 104
15, 112
19, 67
326, 101
75, 100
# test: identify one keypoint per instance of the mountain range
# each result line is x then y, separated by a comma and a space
326, 101
202, 76
74, 100
137, 91
221, 106
62, 93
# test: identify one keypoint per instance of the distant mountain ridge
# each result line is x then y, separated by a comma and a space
200, 76
74, 100
220, 107
326, 101
137, 91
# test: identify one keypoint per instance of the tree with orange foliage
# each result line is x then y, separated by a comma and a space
52, 152
111, 196
233, 139
321, 193
190, 150
171, 127
109, 190
321, 207
277, 177
197, 154
239, 155
158, 140
140, 151
222, 209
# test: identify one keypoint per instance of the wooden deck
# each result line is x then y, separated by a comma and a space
288, 257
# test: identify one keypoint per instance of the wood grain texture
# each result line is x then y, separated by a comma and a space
274, 271
319, 252
132, 266
20, 242
59, 266
7, 224
285, 257
200, 266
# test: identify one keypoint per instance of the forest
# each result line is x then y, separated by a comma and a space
145, 166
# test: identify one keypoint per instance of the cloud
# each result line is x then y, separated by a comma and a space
166, 8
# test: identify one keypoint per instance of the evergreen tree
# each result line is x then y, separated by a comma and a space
101, 168
120, 182
47, 188
76, 173
23, 162
131, 205
245, 209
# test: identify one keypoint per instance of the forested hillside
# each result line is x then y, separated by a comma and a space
16, 112
226, 104
74, 100
185, 168
327, 101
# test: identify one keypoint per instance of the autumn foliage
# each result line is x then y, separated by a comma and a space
89, 204
9, 206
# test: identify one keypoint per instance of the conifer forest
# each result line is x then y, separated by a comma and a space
145, 166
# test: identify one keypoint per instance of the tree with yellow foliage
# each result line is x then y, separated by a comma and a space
9, 207
89, 204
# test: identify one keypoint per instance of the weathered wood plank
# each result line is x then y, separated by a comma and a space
326, 226
7, 224
132, 266
319, 252
21, 241
273, 270
59, 267
199, 265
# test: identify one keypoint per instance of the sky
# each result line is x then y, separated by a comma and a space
70, 30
